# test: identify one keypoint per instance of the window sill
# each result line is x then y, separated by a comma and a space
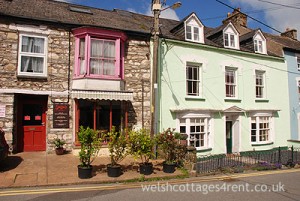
199, 150
42, 77
232, 100
262, 144
261, 100
96, 77
194, 98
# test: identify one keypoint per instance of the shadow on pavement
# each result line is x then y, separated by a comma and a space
10, 163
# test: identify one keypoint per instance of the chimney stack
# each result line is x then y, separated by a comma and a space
290, 33
237, 17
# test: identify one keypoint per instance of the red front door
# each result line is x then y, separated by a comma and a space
34, 129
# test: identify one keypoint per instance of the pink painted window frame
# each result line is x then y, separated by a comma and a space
90, 33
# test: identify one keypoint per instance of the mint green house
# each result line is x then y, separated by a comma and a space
227, 88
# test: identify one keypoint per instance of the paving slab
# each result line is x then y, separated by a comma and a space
42, 168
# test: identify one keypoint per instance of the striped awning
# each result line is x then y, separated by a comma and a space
102, 95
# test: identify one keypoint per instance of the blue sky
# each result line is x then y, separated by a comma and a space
211, 12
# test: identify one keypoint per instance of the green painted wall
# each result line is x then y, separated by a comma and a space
174, 56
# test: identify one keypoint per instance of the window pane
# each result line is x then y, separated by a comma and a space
182, 129
96, 66
109, 67
260, 46
82, 67
32, 44
189, 32
96, 48
226, 40
32, 64
109, 49
232, 42
82, 48
255, 46
196, 33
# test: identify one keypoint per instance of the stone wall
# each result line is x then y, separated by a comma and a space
138, 78
55, 85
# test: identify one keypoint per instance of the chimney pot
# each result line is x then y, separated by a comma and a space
236, 17
290, 33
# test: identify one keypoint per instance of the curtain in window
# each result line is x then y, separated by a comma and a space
82, 56
96, 53
102, 57
109, 55
32, 63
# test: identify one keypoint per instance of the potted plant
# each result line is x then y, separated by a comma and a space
59, 143
89, 147
140, 146
167, 142
117, 147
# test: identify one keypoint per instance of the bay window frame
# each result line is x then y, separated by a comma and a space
258, 130
106, 35
186, 122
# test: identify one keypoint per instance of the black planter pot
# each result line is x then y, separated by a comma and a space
59, 151
114, 171
169, 168
85, 172
146, 168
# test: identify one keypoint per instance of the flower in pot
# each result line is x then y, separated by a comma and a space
140, 146
167, 143
117, 147
59, 143
89, 147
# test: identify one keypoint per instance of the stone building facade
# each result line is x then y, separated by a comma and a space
17, 88
22, 93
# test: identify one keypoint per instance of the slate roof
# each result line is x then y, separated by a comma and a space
59, 12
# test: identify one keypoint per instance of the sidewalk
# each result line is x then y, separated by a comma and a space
42, 169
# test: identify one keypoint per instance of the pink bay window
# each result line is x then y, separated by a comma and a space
99, 53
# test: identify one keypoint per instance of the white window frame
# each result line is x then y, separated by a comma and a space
234, 84
193, 33
259, 119
258, 46
298, 61
230, 38
198, 80
262, 86
30, 54
188, 121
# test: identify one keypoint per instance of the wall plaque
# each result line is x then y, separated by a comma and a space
61, 115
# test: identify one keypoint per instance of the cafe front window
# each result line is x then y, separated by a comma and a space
101, 115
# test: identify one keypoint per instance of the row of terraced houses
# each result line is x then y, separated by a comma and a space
230, 88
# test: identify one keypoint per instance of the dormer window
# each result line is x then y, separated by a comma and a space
231, 37
259, 43
194, 29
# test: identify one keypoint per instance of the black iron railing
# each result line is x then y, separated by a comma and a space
279, 156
